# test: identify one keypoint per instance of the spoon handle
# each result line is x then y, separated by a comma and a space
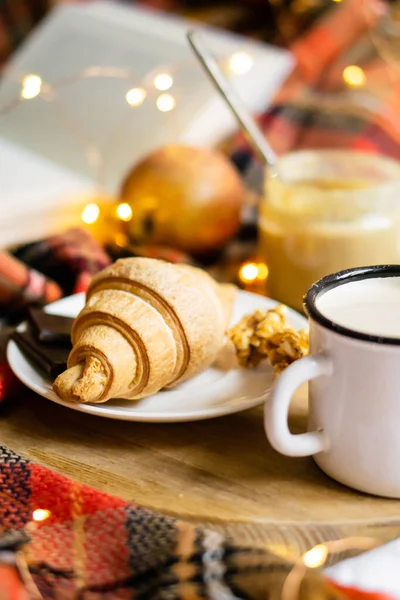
245, 120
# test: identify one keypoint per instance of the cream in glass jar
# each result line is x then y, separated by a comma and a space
324, 211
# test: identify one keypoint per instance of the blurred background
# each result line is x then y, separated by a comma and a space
276, 21
97, 99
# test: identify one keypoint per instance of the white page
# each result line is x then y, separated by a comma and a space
92, 114
37, 196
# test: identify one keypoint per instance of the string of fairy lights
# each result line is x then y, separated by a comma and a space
161, 82
33, 86
156, 87
313, 559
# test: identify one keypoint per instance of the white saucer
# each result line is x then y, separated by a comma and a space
213, 393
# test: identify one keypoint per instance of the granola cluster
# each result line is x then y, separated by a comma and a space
267, 335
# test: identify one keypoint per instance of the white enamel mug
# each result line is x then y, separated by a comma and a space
354, 383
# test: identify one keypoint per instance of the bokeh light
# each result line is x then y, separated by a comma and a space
90, 213
124, 212
163, 82
31, 87
316, 557
251, 271
166, 102
135, 96
354, 76
41, 514
240, 63
248, 272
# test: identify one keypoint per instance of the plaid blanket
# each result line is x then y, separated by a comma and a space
87, 545
41, 273
318, 108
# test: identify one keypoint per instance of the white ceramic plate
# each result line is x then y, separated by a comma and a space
213, 393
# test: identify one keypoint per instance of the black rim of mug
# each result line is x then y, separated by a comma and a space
332, 281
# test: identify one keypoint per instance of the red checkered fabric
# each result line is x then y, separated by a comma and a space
93, 546
69, 261
316, 108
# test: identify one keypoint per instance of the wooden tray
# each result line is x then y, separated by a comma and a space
220, 472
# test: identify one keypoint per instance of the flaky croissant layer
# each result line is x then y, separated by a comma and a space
146, 325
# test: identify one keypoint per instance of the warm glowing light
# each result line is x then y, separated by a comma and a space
240, 63
354, 76
135, 96
124, 212
166, 102
163, 82
262, 271
316, 557
31, 87
248, 272
336, 0
252, 271
90, 213
41, 514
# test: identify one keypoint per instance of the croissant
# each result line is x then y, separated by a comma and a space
146, 325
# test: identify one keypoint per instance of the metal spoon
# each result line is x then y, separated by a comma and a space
245, 120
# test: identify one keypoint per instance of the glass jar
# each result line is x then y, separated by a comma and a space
324, 211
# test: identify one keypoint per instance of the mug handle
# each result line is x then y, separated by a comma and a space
277, 407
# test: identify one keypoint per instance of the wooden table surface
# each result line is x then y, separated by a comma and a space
220, 471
